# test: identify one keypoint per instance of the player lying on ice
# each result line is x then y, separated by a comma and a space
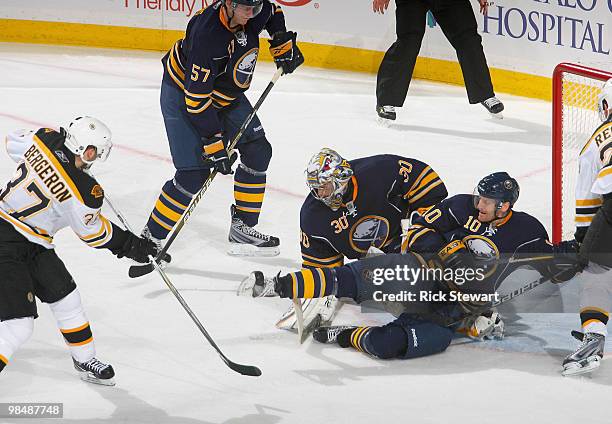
51, 190
362, 206
477, 235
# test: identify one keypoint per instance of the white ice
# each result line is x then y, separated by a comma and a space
166, 372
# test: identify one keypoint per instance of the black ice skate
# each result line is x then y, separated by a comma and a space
247, 241
94, 371
330, 334
494, 107
257, 285
588, 355
386, 112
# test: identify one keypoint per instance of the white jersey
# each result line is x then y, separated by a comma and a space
48, 193
594, 174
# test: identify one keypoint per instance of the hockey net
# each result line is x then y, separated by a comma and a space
575, 118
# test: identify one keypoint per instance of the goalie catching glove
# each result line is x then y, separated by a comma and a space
285, 51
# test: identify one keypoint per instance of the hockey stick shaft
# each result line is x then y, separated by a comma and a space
140, 270
242, 369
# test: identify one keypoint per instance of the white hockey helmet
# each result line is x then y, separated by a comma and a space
86, 131
327, 166
604, 101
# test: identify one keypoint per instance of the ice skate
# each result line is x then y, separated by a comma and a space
330, 334
247, 241
159, 243
96, 372
386, 114
494, 107
588, 355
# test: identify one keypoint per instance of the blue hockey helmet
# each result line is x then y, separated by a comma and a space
498, 186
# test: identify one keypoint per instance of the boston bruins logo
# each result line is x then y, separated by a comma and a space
244, 68
371, 230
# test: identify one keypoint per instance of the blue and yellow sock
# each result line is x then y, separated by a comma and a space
249, 190
308, 283
168, 210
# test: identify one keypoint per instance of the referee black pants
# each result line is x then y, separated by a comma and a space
457, 21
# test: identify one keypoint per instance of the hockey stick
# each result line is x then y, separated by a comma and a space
140, 270
250, 370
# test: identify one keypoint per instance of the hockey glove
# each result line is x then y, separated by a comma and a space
565, 264
215, 155
456, 256
285, 51
137, 249
580, 233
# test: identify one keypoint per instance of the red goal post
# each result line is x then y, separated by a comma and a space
575, 118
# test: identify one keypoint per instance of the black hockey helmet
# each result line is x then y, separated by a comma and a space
499, 186
255, 4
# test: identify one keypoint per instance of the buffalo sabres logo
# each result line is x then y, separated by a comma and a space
484, 251
244, 68
369, 231
241, 37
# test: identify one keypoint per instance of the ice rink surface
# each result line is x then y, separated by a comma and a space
167, 372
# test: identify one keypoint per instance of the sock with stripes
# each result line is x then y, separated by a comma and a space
170, 205
307, 283
249, 190
594, 320
13, 333
73, 325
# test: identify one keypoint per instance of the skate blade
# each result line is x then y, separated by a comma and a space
241, 249
383, 122
575, 368
90, 378
288, 320
499, 115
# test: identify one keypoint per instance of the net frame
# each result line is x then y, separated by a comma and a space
569, 79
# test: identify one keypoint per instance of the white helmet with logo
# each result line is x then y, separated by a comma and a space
86, 131
604, 101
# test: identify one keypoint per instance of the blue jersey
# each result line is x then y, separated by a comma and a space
383, 190
517, 240
214, 63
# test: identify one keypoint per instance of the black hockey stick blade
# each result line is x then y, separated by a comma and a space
249, 370
136, 271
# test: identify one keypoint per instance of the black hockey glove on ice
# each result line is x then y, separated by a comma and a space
137, 249
285, 51
216, 156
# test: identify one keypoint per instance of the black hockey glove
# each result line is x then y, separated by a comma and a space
216, 156
565, 263
580, 233
456, 256
137, 249
285, 51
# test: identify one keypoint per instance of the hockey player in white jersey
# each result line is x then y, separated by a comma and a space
594, 232
51, 190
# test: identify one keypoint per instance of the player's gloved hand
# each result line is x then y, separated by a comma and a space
216, 156
456, 256
285, 51
137, 249
580, 233
488, 326
565, 261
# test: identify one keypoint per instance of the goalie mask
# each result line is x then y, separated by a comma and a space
86, 131
327, 177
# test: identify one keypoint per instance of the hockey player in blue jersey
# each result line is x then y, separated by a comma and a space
203, 104
355, 205
461, 233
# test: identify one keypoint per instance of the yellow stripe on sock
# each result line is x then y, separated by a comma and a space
308, 283
74, 330
166, 211
249, 197
163, 224
3, 359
